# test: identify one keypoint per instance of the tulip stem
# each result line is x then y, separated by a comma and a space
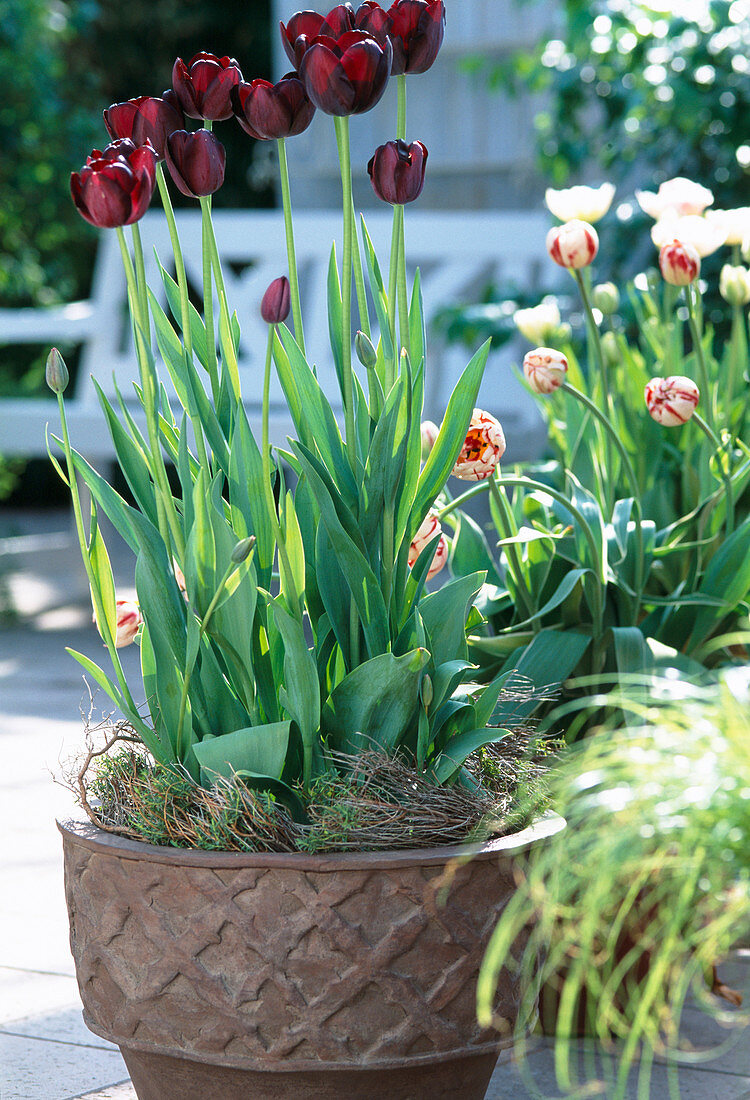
342, 138
291, 253
695, 333
228, 349
140, 271
359, 280
187, 331
212, 365
401, 109
403, 301
726, 475
510, 531
165, 508
393, 295
630, 474
266, 461
601, 362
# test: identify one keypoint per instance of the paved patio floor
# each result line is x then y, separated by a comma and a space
46, 1053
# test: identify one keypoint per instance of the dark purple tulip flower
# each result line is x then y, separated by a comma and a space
147, 118
397, 171
309, 24
196, 162
417, 29
266, 111
115, 186
374, 20
348, 75
203, 87
274, 308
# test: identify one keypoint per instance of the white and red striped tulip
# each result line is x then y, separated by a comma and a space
679, 263
429, 527
545, 369
483, 448
671, 401
129, 620
573, 244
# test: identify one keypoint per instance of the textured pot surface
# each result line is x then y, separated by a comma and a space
302, 971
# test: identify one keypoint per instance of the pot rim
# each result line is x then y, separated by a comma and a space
84, 833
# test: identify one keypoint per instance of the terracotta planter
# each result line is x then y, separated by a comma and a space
228, 975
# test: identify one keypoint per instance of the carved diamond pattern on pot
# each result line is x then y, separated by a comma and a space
264, 964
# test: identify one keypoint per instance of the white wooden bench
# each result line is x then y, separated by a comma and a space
458, 253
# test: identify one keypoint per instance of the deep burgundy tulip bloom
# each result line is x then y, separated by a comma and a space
204, 86
309, 24
348, 75
115, 186
147, 118
417, 29
397, 171
374, 20
266, 111
196, 162
274, 308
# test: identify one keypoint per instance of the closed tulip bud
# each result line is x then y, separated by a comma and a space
147, 118
56, 372
427, 691
115, 187
366, 353
345, 75
397, 171
129, 620
271, 111
203, 87
483, 448
196, 162
573, 244
734, 285
428, 431
679, 263
242, 550
428, 529
545, 369
671, 401
611, 350
606, 298
274, 308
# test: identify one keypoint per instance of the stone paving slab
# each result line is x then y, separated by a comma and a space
44, 1070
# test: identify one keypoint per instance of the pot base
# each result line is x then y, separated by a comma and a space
159, 1077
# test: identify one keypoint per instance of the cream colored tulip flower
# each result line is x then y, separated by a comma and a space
704, 236
736, 223
539, 324
678, 196
587, 204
